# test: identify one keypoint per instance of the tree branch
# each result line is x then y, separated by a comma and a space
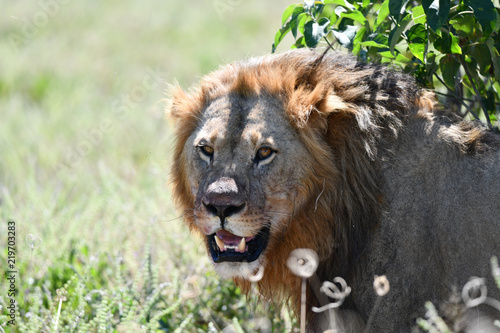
457, 98
476, 91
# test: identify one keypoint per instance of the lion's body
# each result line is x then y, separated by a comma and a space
349, 160
438, 227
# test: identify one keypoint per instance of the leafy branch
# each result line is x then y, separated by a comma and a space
450, 46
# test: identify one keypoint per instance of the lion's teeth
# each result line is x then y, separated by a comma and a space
220, 242
242, 245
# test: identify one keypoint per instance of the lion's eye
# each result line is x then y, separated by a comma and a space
207, 150
263, 153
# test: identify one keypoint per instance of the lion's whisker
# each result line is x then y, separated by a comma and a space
187, 212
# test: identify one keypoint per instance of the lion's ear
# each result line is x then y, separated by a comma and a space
332, 103
181, 105
184, 110
312, 108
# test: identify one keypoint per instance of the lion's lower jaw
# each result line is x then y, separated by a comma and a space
245, 270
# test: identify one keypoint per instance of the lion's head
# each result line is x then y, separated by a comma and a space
242, 188
272, 155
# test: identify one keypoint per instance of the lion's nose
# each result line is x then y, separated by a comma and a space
223, 211
223, 198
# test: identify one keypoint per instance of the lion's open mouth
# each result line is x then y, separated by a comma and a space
225, 246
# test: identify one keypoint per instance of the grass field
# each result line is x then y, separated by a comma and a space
84, 165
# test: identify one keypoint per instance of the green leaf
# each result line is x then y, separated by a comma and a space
333, 17
301, 21
485, 13
380, 38
287, 13
418, 15
313, 32
295, 18
357, 40
395, 34
431, 67
417, 41
324, 22
402, 59
474, 77
489, 103
496, 64
339, 10
449, 69
448, 43
437, 12
372, 43
481, 53
463, 24
382, 14
494, 56
356, 16
342, 3
387, 54
346, 37
385, 60
418, 50
299, 43
396, 8
317, 9
455, 45
417, 34
280, 35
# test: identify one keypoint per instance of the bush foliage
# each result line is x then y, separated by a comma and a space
450, 46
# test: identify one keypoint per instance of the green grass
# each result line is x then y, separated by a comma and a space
84, 163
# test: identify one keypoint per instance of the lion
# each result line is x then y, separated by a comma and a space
351, 160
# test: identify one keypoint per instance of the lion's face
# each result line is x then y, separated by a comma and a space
244, 164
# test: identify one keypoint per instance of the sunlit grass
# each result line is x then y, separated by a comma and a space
84, 161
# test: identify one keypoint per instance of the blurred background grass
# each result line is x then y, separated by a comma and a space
84, 146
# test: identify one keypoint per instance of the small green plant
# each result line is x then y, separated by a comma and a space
447, 45
82, 292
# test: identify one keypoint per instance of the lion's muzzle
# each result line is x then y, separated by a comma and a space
224, 198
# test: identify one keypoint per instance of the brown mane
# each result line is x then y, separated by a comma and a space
347, 114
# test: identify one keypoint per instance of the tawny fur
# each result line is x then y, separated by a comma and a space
354, 120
